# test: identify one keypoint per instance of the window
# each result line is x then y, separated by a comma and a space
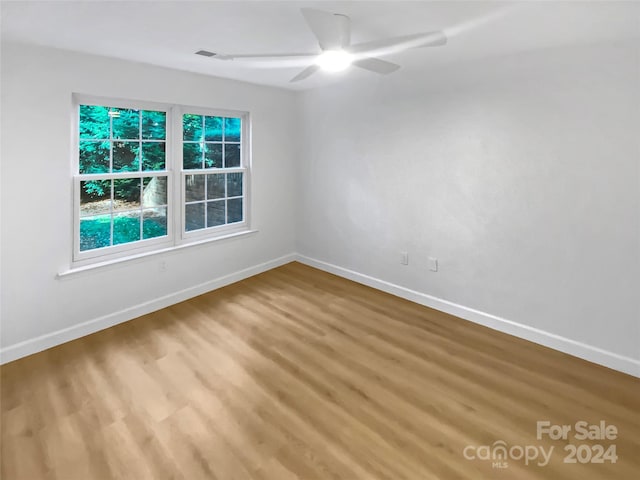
213, 175
151, 176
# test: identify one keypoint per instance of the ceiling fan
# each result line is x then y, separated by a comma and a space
333, 32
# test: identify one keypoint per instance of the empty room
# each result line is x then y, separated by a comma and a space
329, 240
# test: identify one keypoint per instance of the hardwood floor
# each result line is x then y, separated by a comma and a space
298, 374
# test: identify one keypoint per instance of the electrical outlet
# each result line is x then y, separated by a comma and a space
433, 264
404, 258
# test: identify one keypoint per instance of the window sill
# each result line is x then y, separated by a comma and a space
72, 272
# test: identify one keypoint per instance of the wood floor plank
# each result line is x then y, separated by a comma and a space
299, 374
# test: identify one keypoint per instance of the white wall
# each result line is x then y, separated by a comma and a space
36, 191
520, 174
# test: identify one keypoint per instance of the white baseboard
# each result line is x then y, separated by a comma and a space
572, 347
28, 347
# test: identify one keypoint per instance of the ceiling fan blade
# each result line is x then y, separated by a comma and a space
332, 30
376, 65
307, 72
221, 56
397, 44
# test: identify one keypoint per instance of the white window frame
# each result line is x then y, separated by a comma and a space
176, 236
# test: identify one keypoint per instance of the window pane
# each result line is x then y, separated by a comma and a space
234, 210
154, 222
154, 124
194, 216
215, 213
126, 123
192, 127
95, 232
213, 129
215, 186
192, 155
231, 129
95, 197
126, 227
194, 188
231, 155
125, 156
213, 155
154, 192
94, 157
234, 184
94, 121
126, 194
153, 155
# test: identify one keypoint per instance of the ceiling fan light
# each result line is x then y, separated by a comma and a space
334, 60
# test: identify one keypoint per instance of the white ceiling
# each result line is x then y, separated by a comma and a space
168, 33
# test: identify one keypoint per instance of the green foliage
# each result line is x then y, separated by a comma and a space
127, 189
101, 131
126, 156
154, 125
204, 137
95, 122
192, 155
94, 156
192, 128
153, 156
93, 190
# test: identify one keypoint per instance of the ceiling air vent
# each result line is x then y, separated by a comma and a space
205, 53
